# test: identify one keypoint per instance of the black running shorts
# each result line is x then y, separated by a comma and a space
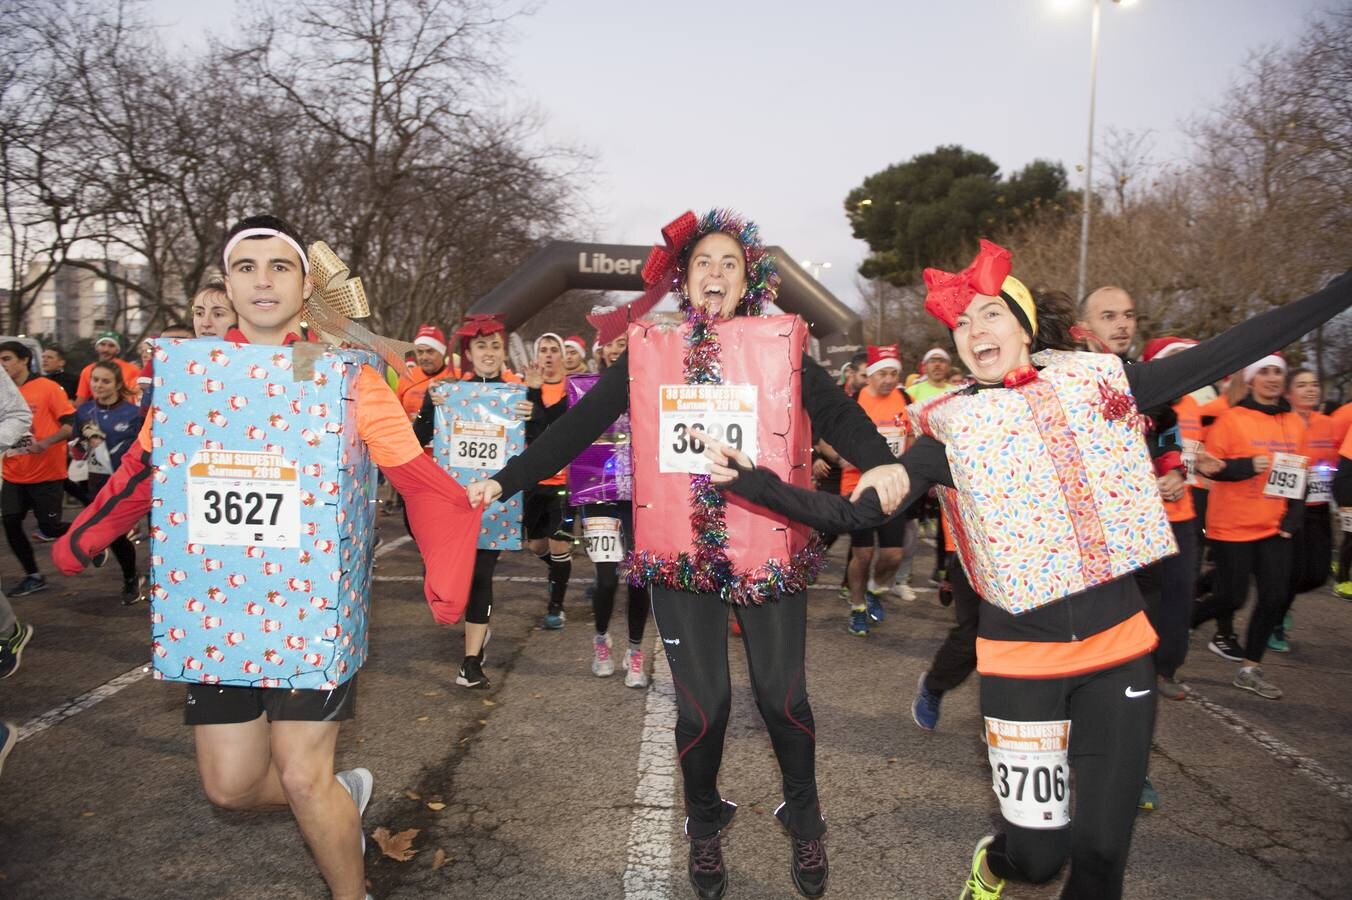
213, 704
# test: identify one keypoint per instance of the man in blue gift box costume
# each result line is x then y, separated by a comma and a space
262, 741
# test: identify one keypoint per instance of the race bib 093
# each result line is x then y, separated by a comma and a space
1286, 477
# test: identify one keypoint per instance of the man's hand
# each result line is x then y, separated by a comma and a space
1207, 464
535, 376
482, 493
1262, 463
891, 482
722, 457
1171, 485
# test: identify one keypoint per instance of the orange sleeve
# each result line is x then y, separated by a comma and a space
82, 392
146, 432
1346, 448
382, 422
61, 405
1221, 440
1216, 408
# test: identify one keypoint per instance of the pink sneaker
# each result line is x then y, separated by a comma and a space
602, 664
634, 675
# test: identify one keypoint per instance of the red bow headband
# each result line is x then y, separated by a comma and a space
662, 261
476, 325
611, 322
950, 293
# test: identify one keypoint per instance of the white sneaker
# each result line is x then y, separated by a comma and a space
635, 676
905, 592
359, 783
602, 665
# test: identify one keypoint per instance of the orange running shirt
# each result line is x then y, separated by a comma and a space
554, 393
889, 415
1237, 510
1189, 429
130, 372
49, 403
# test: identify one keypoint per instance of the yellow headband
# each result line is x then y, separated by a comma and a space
1014, 289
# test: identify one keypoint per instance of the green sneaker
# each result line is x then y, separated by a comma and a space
1343, 589
976, 887
1277, 642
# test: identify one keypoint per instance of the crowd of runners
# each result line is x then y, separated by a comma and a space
1092, 500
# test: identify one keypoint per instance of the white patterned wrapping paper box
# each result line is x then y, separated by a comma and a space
1054, 489
262, 517
476, 432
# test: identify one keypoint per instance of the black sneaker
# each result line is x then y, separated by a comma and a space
472, 674
809, 867
31, 584
131, 591
11, 648
1226, 646
98, 559
707, 875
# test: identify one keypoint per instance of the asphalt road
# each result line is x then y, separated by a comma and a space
558, 784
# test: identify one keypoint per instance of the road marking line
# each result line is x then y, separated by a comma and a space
647, 873
93, 698
1282, 751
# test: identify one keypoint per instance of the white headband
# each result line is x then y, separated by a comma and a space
936, 353
265, 232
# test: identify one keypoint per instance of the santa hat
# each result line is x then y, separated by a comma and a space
547, 336
1272, 359
431, 336
1160, 347
936, 353
577, 343
882, 357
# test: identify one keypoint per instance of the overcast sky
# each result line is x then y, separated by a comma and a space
780, 109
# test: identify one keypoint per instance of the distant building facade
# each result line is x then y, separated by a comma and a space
76, 303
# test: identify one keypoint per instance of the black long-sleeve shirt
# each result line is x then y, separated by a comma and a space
425, 424
834, 416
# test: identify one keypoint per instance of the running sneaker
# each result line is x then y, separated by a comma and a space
707, 875
9, 736
937, 578
844, 592
905, 592
635, 675
41, 538
946, 594
31, 584
859, 622
1226, 646
472, 674
602, 665
1343, 589
976, 887
554, 617
359, 783
1278, 643
11, 648
808, 866
1250, 678
1150, 798
876, 613
131, 590
1288, 620
925, 709
1173, 689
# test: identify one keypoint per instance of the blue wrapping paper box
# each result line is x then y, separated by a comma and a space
476, 432
262, 517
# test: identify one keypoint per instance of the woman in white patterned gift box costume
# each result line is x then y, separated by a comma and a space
1047, 482
721, 268
261, 748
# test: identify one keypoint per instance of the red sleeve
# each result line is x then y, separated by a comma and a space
123, 501
444, 524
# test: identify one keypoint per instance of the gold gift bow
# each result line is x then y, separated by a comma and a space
337, 299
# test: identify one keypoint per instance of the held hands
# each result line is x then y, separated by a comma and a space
1261, 464
482, 493
721, 458
891, 482
1171, 485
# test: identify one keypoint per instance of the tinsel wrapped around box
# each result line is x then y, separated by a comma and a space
262, 517
602, 473
756, 406
477, 431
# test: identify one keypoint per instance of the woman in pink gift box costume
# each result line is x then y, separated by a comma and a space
721, 269
1046, 479
268, 748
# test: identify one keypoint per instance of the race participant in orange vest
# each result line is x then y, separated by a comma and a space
1044, 456
885, 406
548, 519
1257, 504
431, 365
108, 346
1312, 546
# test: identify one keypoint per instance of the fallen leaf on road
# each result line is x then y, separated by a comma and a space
86, 814
422, 718
439, 859
891, 760
436, 807
396, 846
489, 703
413, 795
431, 693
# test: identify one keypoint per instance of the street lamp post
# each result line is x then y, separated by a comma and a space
816, 268
1089, 154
